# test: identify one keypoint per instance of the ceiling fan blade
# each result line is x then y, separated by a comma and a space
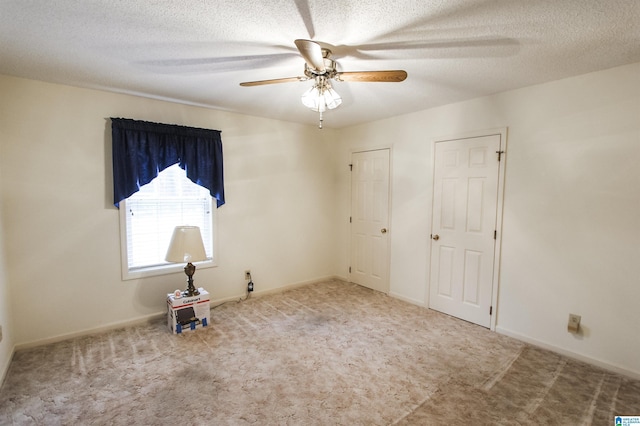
391, 76
251, 61
305, 14
216, 64
312, 54
274, 81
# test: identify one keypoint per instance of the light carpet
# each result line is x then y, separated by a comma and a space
331, 353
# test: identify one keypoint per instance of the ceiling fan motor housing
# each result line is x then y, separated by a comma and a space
329, 67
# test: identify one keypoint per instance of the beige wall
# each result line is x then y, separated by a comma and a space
62, 231
6, 345
570, 237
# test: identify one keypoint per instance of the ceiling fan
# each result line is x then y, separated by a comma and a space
321, 68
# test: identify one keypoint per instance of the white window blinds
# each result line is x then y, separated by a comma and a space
171, 199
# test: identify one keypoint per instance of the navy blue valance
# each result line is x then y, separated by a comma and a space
143, 149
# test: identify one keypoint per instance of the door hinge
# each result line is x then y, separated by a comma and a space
490, 310
495, 234
351, 167
350, 219
499, 154
349, 269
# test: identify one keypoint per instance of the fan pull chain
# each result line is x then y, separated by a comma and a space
320, 123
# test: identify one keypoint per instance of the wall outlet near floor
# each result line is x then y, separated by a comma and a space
574, 323
247, 274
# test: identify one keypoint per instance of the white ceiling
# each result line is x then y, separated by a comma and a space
198, 51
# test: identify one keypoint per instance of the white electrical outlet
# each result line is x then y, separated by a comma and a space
247, 274
574, 323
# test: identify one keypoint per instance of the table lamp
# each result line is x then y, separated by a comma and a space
187, 246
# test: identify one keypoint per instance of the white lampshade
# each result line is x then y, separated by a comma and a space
186, 245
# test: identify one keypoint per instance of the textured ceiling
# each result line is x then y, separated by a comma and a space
197, 52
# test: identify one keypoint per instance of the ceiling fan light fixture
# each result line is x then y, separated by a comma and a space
321, 97
331, 98
321, 68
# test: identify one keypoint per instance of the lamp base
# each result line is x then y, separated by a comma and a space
191, 290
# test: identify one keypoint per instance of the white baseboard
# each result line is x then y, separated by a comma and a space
5, 367
594, 361
294, 285
408, 299
589, 360
89, 331
151, 317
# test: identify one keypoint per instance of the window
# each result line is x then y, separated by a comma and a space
147, 219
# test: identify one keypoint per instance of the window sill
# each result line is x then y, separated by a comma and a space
171, 268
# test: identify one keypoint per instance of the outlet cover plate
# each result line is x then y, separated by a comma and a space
574, 323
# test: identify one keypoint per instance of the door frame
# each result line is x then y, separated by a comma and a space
356, 150
495, 284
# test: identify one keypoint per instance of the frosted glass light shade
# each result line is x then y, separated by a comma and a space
320, 98
186, 245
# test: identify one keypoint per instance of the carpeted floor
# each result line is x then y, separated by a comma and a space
331, 353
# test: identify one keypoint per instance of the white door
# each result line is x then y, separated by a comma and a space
463, 239
370, 219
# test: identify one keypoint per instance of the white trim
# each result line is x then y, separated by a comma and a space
171, 268
153, 271
355, 149
416, 302
557, 349
497, 253
259, 293
89, 331
158, 315
502, 132
472, 134
5, 367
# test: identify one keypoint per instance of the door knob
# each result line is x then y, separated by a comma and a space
436, 237
383, 230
